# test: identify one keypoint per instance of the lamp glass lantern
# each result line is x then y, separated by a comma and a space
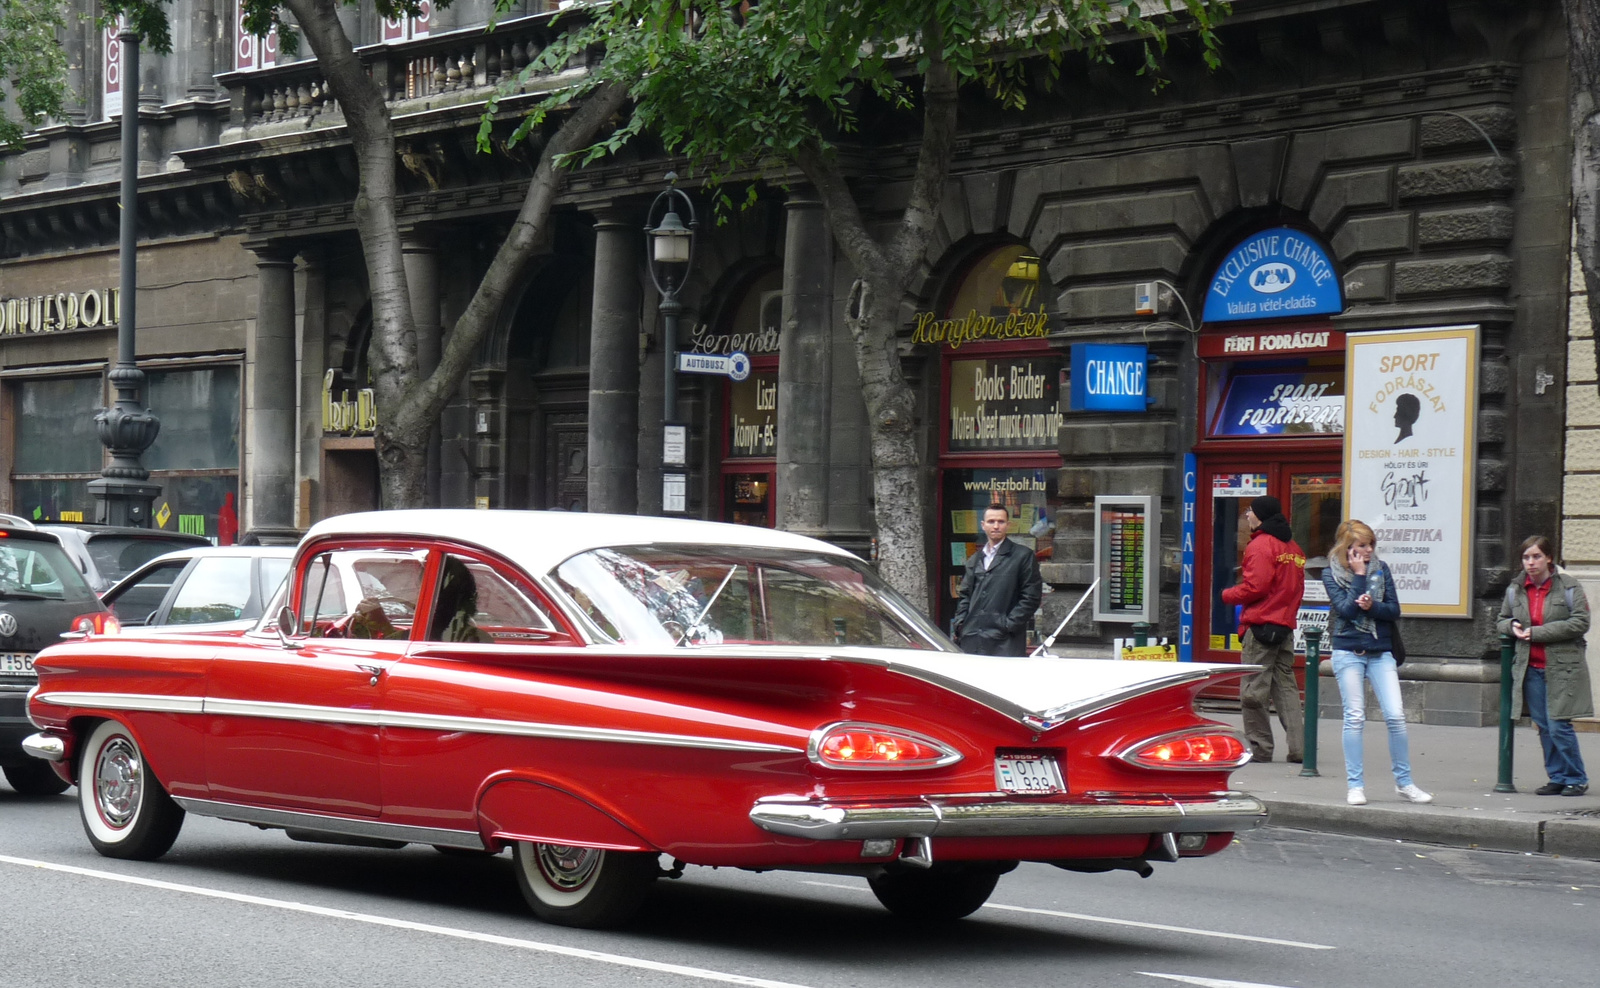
669, 242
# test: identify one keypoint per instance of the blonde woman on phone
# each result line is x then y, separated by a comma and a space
1362, 607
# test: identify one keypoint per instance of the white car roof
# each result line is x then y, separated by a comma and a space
252, 551
539, 540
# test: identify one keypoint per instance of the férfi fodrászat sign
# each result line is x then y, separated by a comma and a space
1409, 454
1275, 274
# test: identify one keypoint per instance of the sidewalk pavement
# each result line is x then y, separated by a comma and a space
1458, 765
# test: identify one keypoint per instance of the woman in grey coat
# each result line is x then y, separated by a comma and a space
1547, 613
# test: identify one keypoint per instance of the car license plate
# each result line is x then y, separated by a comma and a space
1028, 773
16, 664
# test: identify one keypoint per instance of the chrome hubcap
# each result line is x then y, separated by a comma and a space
118, 782
568, 869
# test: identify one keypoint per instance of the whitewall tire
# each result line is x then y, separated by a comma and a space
126, 812
583, 886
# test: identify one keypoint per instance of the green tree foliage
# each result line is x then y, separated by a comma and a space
33, 66
777, 89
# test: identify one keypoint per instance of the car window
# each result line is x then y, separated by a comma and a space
115, 556
136, 601
477, 603
217, 589
39, 570
361, 593
273, 572
709, 595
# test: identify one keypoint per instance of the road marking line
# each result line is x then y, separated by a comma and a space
402, 924
1207, 982
1121, 922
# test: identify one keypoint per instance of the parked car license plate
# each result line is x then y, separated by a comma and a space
16, 663
1028, 773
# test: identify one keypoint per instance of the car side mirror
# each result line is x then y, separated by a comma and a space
287, 623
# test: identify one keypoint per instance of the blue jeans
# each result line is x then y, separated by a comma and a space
1351, 670
1563, 762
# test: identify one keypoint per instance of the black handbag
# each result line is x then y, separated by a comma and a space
1397, 645
1271, 634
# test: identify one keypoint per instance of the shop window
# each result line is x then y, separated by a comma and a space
1005, 403
1029, 494
750, 437
55, 447
199, 412
1302, 399
195, 458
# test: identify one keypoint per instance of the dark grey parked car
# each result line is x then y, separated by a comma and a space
42, 594
107, 553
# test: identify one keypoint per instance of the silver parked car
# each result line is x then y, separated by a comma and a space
222, 588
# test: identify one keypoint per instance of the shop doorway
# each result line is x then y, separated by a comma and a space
1311, 489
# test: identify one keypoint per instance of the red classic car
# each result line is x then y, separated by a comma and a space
607, 694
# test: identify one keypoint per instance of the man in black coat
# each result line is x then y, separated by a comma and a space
999, 592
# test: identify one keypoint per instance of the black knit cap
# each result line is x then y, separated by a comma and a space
1266, 506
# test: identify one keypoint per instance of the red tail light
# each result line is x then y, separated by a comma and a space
869, 746
98, 623
1209, 748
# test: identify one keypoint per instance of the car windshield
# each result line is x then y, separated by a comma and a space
40, 571
115, 556
710, 595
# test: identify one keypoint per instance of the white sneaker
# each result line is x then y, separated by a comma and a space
1357, 797
1413, 795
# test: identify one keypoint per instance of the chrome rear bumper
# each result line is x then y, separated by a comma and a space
968, 816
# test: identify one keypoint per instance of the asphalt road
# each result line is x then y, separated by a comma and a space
231, 905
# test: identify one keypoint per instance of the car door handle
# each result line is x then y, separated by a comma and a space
373, 671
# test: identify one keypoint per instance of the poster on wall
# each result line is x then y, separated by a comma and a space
1409, 458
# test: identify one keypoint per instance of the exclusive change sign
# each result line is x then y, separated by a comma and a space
1410, 406
1275, 274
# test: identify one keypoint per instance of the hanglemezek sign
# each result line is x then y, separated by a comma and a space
1109, 377
1275, 274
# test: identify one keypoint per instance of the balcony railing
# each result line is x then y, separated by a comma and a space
459, 66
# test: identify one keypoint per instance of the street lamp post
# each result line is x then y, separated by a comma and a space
127, 428
671, 246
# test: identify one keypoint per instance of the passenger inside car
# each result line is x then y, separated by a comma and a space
456, 605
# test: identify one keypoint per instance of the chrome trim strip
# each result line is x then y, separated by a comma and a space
1100, 813
48, 747
416, 721
291, 820
148, 702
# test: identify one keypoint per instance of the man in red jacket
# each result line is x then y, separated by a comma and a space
1271, 583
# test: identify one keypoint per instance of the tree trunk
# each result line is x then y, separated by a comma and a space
1583, 59
883, 273
392, 354
408, 406
891, 428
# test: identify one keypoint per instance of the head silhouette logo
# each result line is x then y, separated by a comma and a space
1270, 279
1407, 407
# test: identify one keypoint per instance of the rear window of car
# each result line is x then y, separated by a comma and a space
39, 571
115, 556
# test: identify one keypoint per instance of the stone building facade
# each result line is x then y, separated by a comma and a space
1420, 147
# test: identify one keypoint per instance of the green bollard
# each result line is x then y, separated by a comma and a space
1508, 651
1141, 634
1308, 768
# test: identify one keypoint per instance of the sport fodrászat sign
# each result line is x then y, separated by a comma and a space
1275, 274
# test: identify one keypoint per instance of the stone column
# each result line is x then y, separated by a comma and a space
614, 365
420, 255
313, 365
270, 378
204, 41
805, 368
